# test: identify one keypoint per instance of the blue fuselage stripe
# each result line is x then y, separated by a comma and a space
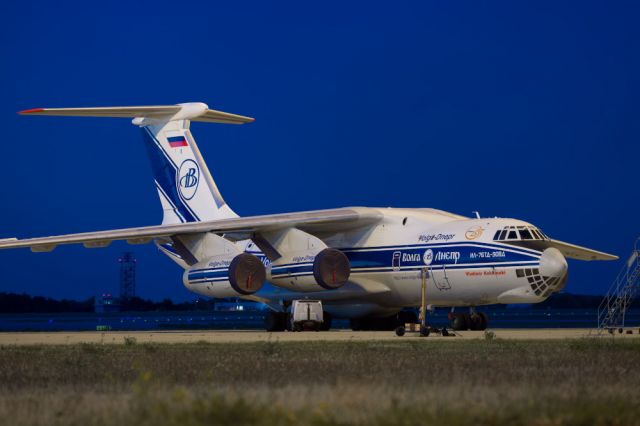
407, 258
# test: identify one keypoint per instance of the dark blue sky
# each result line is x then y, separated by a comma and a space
516, 109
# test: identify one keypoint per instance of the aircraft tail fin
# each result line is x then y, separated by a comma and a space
185, 186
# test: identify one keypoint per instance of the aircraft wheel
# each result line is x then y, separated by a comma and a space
459, 322
484, 320
275, 321
467, 319
400, 331
475, 322
288, 324
326, 323
424, 331
356, 324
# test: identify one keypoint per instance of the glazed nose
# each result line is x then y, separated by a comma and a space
553, 264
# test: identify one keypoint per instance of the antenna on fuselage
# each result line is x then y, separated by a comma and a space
477, 213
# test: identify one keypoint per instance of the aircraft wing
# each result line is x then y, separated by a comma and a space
573, 251
320, 221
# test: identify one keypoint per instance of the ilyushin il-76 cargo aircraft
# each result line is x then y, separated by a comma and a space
365, 264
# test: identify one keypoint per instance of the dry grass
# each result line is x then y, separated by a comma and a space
405, 382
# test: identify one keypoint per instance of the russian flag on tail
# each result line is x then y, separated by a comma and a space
177, 141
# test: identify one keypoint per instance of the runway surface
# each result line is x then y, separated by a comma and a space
247, 336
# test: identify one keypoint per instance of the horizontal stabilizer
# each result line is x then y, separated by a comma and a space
141, 111
195, 111
573, 251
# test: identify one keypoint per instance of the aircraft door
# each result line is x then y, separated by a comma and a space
440, 278
396, 261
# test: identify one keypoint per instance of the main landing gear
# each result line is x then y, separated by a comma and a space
275, 321
473, 320
384, 324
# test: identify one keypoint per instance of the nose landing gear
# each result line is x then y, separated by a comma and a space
473, 320
423, 328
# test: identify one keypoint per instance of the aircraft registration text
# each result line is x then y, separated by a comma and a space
487, 254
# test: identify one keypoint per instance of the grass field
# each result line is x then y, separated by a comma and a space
403, 382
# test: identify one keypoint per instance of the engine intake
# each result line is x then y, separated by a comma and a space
247, 274
331, 268
226, 276
327, 269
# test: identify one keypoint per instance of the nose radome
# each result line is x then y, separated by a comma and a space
553, 263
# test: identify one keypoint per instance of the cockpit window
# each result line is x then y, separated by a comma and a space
525, 234
519, 233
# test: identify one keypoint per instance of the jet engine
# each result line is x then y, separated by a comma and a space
226, 276
331, 268
327, 269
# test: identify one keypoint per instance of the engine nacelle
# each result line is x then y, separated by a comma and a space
226, 275
327, 270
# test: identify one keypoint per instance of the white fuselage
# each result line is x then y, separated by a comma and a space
463, 263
